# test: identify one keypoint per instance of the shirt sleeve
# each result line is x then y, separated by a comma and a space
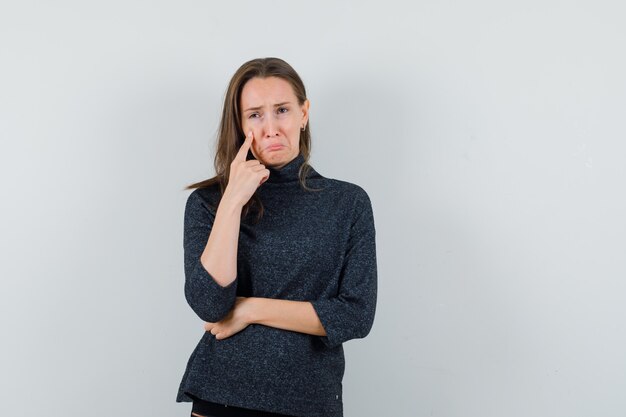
350, 314
208, 299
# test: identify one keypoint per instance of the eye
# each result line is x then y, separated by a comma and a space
253, 115
283, 110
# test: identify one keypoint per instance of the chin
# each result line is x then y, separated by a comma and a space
276, 162
275, 156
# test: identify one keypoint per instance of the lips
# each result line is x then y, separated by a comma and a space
274, 147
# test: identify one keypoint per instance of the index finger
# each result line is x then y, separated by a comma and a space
243, 150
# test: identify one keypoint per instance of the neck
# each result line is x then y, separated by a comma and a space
288, 172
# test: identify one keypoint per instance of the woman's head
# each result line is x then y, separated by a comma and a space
266, 96
273, 114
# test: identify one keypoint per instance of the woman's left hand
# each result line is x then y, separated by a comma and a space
238, 318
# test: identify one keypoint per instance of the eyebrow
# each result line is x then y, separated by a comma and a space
260, 107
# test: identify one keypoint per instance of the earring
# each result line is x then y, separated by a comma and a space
303, 127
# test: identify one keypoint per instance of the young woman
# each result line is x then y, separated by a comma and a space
280, 261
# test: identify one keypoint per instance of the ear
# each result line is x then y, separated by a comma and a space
305, 112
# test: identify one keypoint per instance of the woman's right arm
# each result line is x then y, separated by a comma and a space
210, 280
219, 257
220, 254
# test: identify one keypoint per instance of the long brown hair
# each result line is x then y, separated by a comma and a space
231, 136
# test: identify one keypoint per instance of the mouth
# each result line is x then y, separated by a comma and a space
274, 148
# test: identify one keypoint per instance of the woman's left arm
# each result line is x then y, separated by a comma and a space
298, 316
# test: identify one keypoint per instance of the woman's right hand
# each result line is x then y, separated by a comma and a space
245, 176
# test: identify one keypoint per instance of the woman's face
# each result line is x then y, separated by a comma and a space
271, 111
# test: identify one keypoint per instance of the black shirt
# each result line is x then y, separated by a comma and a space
316, 246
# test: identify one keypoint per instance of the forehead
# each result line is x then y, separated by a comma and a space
258, 91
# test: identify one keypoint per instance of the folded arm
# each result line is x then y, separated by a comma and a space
348, 315
297, 316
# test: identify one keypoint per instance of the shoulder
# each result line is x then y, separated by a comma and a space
348, 190
343, 188
355, 206
349, 198
205, 198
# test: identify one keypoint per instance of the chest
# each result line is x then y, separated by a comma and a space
295, 251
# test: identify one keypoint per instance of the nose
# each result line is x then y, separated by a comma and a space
271, 127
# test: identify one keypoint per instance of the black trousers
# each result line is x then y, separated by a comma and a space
210, 409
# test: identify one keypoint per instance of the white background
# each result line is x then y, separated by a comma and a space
489, 135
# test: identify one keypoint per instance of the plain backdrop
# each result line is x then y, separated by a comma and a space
489, 135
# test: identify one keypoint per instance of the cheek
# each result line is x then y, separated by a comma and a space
253, 125
294, 128
256, 149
